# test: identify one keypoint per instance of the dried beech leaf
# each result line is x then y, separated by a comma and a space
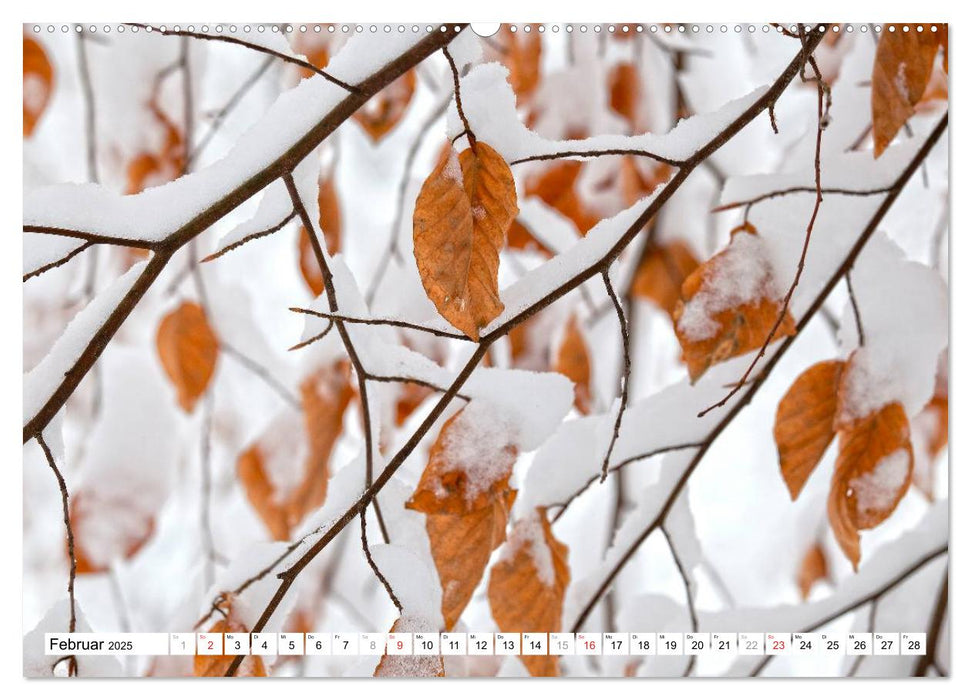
901, 70
522, 58
461, 217
216, 666
812, 569
520, 238
38, 83
873, 471
153, 168
804, 422
662, 272
625, 91
528, 583
461, 546
743, 326
411, 397
325, 396
556, 186
381, 113
446, 487
106, 528
330, 224
573, 361
188, 348
415, 666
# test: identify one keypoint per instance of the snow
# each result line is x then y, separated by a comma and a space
41, 249
42, 381
415, 583
877, 491
903, 306
38, 665
159, 211
528, 534
741, 274
490, 106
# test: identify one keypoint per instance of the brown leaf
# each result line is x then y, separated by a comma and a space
461, 217
38, 83
804, 422
415, 666
330, 224
873, 471
742, 327
661, 273
625, 91
381, 113
117, 527
153, 168
931, 423
557, 187
325, 396
528, 583
812, 569
520, 238
901, 70
216, 666
573, 361
188, 348
522, 58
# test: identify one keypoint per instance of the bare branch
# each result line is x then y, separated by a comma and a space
333, 316
625, 377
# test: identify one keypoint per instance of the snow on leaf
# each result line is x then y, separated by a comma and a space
216, 666
557, 187
729, 305
625, 91
872, 473
527, 585
383, 111
662, 272
415, 666
804, 422
285, 472
901, 71
188, 349
38, 83
456, 250
573, 361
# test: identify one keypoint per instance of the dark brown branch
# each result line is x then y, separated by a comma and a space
72, 575
458, 99
757, 383
312, 339
216, 211
57, 263
333, 316
254, 47
799, 190
95, 237
412, 380
251, 237
598, 152
373, 564
861, 336
625, 377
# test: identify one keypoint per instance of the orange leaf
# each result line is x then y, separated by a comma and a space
573, 361
901, 70
461, 217
662, 272
216, 666
330, 223
812, 569
804, 422
410, 398
118, 528
381, 113
402, 666
150, 169
527, 585
873, 471
325, 395
520, 238
728, 306
522, 58
625, 91
188, 348
557, 187
38, 83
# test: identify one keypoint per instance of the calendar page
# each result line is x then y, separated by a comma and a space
461, 350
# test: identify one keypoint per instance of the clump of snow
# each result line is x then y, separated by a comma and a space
528, 534
284, 452
479, 444
452, 169
742, 273
415, 582
877, 491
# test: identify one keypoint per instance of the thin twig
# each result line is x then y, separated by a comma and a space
598, 152
458, 99
333, 316
251, 237
799, 190
688, 593
57, 263
625, 377
861, 336
373, 564
254, 47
